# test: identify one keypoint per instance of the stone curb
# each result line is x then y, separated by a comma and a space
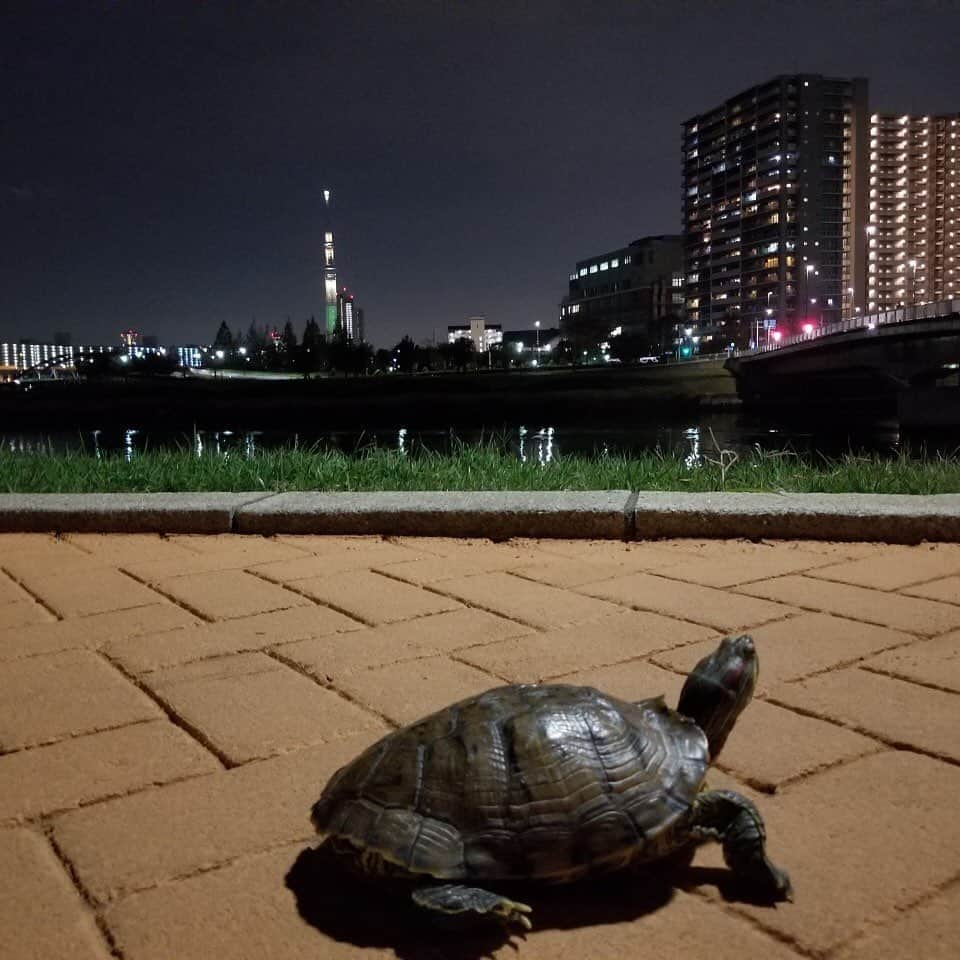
599, 514
121, 512
613, 514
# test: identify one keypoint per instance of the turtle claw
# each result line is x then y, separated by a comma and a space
511, 912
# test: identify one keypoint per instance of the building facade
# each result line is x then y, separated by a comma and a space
913, 229
775, 207
484, 335
636, 291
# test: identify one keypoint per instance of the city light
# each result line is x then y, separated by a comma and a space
808, 328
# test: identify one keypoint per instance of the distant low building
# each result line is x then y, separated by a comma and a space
484, 335
635, 291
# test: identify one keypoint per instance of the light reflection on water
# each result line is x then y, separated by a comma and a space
693, 440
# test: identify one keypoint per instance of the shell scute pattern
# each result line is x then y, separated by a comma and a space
527, 781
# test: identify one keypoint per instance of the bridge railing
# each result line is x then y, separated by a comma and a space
870, 321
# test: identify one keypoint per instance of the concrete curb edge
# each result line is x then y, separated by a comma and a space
499, 515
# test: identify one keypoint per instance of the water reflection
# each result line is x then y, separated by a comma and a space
692, 441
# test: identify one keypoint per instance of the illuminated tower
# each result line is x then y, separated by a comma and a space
329, 275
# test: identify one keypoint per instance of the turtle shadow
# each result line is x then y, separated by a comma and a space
349, 909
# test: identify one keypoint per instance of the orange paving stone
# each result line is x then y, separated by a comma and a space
934, 662
249, 706
849, 751
947, 590
98, 765
895, 568
532, 603
41, 913
327, 658
896, 710
139, 654
373, 598
47, 698
911, 614
713, 608
228, 594
612, 639
99, 629
152, 836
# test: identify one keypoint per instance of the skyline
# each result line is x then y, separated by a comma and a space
166, 169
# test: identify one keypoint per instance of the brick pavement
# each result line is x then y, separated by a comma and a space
170, 707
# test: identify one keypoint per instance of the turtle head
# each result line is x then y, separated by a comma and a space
719, 687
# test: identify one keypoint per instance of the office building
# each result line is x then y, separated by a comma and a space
636, 290
913, 228
775, 207
484, 335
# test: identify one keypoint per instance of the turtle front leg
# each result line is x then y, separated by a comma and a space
457, 901
734, 820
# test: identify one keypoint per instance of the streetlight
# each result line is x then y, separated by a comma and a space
536, 323
912, 264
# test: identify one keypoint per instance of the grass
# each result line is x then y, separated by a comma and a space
479, 467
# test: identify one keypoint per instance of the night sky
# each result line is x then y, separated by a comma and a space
162, 164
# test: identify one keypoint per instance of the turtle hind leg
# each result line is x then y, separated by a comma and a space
472, 902
735, 821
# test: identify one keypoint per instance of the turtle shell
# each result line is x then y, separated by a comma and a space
525, 781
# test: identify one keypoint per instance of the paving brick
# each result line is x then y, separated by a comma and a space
771, 745
93, 631
934, 662
169, 648
330, 657
435, 569
799, 646
637, 555
88, 768
861, 841
532, 603
911, 614
41, 914
31, 553
407, 691
899, 712
897, 566
250, 706
23, 613
713, 608
43, 699
119, 548
373, 598
929, 930
228, 594
242, 550
947, 590
742, 567
243, 910
77, 590
613, 639
634, 681
357, 556
150, 837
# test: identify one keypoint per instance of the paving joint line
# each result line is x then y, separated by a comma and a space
27, 747
904, 678
168, 710
33, 595
330, 685
86, 896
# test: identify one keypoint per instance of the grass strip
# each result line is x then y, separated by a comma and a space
479, 467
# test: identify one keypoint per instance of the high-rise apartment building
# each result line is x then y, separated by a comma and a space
775, 205
913, 228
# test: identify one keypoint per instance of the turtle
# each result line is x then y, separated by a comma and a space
548, 782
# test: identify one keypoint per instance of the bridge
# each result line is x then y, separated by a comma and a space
882, 358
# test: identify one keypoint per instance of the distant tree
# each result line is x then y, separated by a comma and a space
224, 338
405, 353
563, 351
288, 339
382, 360
463, 353
256, 343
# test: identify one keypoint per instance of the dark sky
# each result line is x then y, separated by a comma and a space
161, 164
